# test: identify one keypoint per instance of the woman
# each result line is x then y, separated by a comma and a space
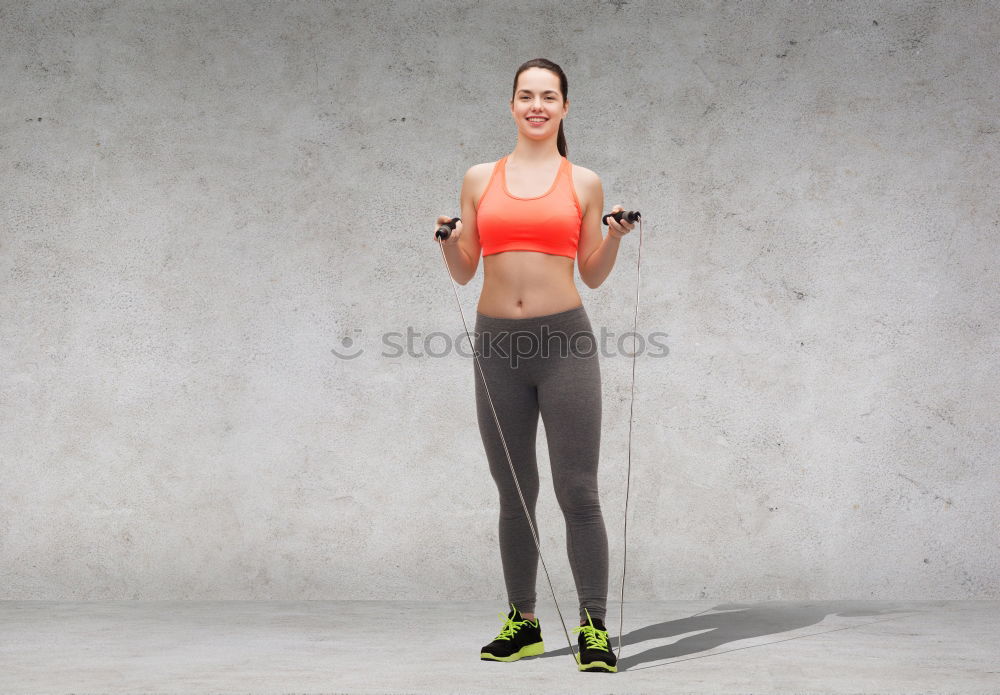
530, 214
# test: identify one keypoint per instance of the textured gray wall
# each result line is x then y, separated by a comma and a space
202, 202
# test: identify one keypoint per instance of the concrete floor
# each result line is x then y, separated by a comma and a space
397, 647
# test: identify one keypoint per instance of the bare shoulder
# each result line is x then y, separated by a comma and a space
480, 172
478, 169
587, 184
585, 175
476, 179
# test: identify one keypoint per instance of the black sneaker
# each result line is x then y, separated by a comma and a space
517, 639
595, 655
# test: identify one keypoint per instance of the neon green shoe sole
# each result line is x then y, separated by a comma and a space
595, 666
527, 650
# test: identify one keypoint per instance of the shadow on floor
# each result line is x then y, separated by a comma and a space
730, 623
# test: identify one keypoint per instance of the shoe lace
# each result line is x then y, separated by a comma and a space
595, 638
510, 627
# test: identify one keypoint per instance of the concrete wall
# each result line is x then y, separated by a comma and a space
204, 202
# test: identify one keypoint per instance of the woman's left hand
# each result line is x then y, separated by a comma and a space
619, 229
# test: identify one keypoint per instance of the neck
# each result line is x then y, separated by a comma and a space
533, 152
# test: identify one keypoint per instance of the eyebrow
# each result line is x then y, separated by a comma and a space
547, 91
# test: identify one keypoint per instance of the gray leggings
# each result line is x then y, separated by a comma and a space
549, 365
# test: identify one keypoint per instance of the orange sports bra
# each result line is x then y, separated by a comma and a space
549, 223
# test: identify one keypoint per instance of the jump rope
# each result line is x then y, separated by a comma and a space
444, 232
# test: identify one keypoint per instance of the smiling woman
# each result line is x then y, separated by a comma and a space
529, 215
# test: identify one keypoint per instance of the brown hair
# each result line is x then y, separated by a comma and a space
548, 65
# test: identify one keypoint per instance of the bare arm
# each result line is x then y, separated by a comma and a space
595, 255
463, 256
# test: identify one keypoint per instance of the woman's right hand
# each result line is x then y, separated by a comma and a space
455, 233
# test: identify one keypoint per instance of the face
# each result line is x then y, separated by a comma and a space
538, 95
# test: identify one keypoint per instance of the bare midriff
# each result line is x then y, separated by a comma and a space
524, 284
